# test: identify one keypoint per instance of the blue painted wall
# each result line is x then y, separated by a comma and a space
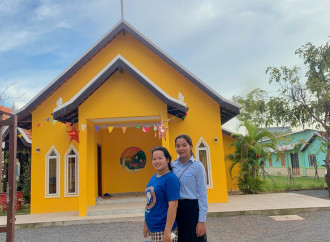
292, 143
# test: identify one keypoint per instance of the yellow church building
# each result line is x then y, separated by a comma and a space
94, 126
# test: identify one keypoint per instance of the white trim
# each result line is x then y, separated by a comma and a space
66, 193
24, 135
183, 69
208, 158
20, 130
309, 141
126, 119
180, 66
66, 70
118, 57
58, 159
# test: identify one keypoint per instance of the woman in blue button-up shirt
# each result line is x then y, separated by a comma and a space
192, 207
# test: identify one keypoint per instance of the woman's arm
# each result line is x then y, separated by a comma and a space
171, 213
202, 201
145, 230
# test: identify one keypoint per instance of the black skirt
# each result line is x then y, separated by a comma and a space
187, 219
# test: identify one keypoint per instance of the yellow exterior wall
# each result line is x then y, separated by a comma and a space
44, 137
117, 179
122, 96
231, 183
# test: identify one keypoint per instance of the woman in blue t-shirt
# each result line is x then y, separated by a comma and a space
163, 192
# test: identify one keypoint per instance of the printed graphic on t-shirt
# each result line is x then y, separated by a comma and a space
151, 198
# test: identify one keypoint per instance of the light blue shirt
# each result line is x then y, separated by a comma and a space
192, 183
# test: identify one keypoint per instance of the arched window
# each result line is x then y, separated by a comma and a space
71, 172
203, 155
52, 173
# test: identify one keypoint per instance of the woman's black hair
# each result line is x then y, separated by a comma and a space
166, 154
188, 139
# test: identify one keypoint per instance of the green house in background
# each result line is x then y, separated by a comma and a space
301, 151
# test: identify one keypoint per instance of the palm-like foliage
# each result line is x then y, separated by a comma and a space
250, 154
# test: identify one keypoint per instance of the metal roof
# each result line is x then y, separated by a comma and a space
68, 112
228, 108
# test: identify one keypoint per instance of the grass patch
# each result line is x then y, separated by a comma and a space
25, 210
301, 183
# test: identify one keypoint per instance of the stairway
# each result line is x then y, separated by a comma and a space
119, 205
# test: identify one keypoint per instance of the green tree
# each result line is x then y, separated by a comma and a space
302, 100
250, 154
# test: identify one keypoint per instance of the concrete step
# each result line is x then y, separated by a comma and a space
131, 209
121, 199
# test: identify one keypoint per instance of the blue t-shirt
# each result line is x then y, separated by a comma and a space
160, 191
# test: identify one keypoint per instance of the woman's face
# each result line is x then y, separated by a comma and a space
159, 161
183, 148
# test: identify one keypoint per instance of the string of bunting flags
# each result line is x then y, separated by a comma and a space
159, 128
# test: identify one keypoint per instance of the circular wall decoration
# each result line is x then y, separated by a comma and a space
133, 159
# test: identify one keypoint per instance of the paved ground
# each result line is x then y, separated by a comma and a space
314, 227
315, 193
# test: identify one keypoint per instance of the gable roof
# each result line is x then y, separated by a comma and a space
228, 132
68, 111
26, 136
310, 140
228, 109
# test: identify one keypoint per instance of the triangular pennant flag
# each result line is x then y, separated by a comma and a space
47, 119
38, 125
110, 129
124, 129
20, 135
68, 124
96, 128
145, 129
54, 121
83, 127
138, 127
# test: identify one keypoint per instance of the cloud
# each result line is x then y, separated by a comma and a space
11, 39
9, 7
22, 87
227, 44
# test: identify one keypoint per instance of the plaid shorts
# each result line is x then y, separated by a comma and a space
158, 236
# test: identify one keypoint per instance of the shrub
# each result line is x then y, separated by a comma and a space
26, 184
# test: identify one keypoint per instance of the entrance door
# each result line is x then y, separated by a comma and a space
295, 163
99, 171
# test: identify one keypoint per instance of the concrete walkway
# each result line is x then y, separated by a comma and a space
267, 204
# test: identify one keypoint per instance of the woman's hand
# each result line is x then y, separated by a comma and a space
167, 236
145, 230
200, 229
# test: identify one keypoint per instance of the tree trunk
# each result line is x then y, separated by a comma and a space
327, 166
316, 176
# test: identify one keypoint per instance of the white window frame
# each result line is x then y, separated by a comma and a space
208, 158
66, 183
58, 158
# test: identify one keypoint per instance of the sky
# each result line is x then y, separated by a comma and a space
228, 44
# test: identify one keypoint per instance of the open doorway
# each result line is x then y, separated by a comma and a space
99, 171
